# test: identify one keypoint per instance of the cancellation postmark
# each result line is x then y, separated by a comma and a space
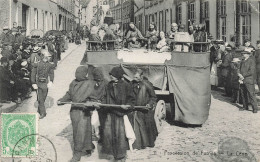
15, 134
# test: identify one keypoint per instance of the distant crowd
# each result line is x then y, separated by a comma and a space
237, 69
19, 52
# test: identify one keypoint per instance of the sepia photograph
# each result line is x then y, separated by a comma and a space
129, 80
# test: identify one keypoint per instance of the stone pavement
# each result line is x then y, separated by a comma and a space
173, 143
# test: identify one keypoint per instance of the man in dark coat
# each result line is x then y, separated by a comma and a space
52, 50
257, 60
5, 37
247, 73
42, 72
118, 92
235, 66
82, 90
142, 120
6, 81
225, 70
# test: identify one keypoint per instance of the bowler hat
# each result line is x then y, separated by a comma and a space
228, 48
5, 28
24, 63
235, 60
36, 49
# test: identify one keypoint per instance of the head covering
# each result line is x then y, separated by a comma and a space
81, 73
228, 48
235, 60
257, 42
182, 26
94, 30
117, 72
174, 24
36, 49
24, 63
5, 28
97, 74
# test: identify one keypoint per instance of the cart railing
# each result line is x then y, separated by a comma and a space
190, 46
101, 45
110, 45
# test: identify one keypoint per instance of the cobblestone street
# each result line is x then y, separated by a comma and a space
173, 143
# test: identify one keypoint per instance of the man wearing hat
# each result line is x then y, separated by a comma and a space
35, 56
13, 36
6, 81
246, 75
172, 32
235, 65
51, 49
248, 46
118, 92
42, 78
225, 70
257, 60
21, 36
5, 37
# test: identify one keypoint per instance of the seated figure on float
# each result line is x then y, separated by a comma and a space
133, 37
162, 44
94, 37
119, 37
151, 37
171, 34
109, 36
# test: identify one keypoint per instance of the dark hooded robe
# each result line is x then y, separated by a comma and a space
80, 91
115, 142
143, 121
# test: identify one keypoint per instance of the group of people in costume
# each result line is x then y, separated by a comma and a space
115, 103
152, 40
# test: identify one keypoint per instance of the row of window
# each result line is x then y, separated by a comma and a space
245, 18
162, 20
50, 21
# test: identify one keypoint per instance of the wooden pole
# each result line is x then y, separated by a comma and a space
106, 105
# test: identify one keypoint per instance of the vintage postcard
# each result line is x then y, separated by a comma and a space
129, 80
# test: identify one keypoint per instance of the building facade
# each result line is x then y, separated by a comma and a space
161, 12
230, 20
38, 14
122, 11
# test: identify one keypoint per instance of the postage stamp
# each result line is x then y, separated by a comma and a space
15, 131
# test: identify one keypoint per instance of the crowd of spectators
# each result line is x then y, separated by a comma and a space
235, 68
17, 53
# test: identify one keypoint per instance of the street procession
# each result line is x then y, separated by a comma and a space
129, 80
